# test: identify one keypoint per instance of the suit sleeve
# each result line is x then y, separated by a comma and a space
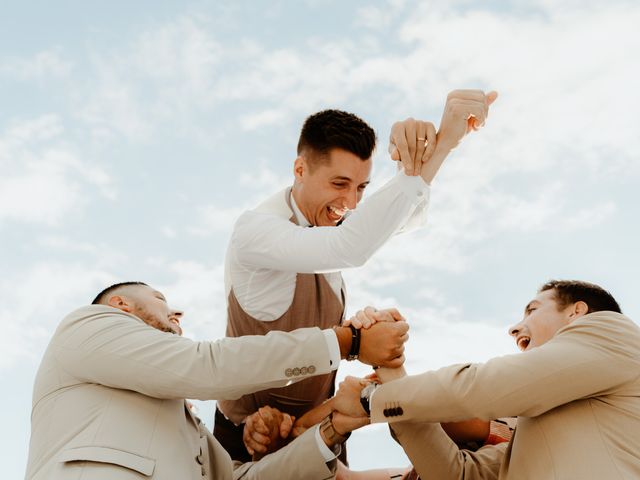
262, 240
108, 347
300, 459
436, 457
589, 357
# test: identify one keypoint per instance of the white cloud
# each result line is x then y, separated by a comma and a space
44, 65
45, 179
40, 297
198, 290
215, 219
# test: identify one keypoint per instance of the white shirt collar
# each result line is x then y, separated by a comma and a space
300, 218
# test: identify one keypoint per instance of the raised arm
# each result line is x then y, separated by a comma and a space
262, 240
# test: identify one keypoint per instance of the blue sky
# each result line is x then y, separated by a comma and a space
132, 136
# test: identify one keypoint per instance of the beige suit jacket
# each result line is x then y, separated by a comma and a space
108, 400
577, 399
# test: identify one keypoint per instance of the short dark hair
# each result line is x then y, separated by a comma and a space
109, 290
330, 129
572, 291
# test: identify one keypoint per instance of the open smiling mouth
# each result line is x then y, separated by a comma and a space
523, 342
335, 214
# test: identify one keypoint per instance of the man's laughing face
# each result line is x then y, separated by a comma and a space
326, 191
543, 317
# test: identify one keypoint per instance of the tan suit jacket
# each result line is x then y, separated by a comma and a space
577, 399
108, 400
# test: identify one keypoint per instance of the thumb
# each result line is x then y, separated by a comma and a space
491, 97
286, 425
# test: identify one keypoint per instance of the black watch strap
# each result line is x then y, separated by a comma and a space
354, 352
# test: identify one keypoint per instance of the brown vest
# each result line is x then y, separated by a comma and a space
314, 305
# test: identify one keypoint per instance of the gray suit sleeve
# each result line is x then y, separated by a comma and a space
300, 459
104, 346
586, 358
436, 457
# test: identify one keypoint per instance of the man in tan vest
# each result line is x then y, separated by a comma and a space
575, 391
109, 396
282, 275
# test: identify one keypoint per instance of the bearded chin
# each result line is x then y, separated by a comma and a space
169, 330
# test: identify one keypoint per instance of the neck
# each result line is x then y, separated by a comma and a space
299, 203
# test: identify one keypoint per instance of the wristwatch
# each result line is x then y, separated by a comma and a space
329, 432
365, 396
354, 351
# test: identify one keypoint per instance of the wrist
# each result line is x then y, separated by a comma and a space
365, 397
354, 351
430, 169
343, 334
329, 434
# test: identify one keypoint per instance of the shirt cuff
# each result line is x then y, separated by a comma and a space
414, 185
334, 348
328, 454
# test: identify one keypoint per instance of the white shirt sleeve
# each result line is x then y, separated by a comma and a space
326, 452
334, 348
262, 240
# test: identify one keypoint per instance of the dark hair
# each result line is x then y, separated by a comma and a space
572, 291
330, 129
109, 290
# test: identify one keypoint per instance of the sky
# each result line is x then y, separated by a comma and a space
132, 134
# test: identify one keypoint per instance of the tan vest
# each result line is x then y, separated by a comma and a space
314, 305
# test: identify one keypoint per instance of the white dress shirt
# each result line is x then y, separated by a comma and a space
267, 250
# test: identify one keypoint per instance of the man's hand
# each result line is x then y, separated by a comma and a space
412, 142
344, 424
264, 430
383, 344
465, 111
370, 315
347, 398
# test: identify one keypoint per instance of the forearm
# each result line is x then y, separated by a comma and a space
436, 457
585, 355
262, 241
312, 417
126, 353
431, 168
299, 459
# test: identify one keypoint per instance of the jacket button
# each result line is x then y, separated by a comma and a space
400, 411
288, 372
296, 372
303, 371
311, 369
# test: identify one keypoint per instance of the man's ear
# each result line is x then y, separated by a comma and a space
299, 168
121, 303
578, 309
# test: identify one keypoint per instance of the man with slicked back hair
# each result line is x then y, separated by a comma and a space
281, 274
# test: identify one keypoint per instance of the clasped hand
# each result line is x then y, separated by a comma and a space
414, 142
